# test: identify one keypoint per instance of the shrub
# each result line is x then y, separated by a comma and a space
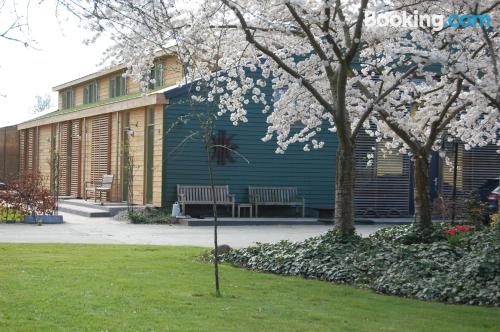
29, 195
149, 216
11, 214
393, 261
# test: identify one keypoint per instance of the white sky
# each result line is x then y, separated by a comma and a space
60, 56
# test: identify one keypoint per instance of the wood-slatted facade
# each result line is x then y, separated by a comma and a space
382, 189
9, 153
101, 152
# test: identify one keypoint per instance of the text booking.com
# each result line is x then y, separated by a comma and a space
435, 21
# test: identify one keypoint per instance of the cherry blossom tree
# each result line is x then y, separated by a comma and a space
308, 50
333, 70
454, 99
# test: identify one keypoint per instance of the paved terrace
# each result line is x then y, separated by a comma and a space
78, 229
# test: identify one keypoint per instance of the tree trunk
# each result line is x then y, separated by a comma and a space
344, 189
423, 206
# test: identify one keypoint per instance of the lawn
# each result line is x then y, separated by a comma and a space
153, 288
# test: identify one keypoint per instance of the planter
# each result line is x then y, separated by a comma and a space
45, 219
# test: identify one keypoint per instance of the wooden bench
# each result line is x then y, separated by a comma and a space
99, 188
278, 196
202, 195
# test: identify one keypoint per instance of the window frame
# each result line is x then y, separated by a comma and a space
88, 93
68, 99
118, 91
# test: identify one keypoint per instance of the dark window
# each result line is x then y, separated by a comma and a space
68, 99
156, 76
91, 93
117, 86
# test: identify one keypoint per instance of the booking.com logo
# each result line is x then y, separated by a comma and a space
437, 22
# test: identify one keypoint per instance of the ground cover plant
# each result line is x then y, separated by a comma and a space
149, 216
452, 264
154, 288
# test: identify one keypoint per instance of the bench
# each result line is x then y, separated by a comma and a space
278, 196
98, 188
202, 195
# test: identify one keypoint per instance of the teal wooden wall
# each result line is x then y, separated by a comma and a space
312, 172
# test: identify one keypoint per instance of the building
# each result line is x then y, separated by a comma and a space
105, 125
103, 121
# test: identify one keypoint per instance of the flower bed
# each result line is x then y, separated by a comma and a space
399, 261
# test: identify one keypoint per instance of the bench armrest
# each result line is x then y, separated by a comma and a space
180, 197
232, 197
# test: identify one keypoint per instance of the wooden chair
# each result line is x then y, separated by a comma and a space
104, 186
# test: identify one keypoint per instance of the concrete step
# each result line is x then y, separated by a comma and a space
84, 211
250, 221
78, 204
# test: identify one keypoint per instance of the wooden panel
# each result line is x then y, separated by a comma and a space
75, 158
158, 156
64, 159
29, 149
100, 154
22, 150
44, 152
172, 72
136, 152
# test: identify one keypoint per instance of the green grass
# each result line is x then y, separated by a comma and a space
153, 288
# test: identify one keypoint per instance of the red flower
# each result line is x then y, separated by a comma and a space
450, 232
463, 228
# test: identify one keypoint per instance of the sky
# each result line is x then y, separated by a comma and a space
58, 55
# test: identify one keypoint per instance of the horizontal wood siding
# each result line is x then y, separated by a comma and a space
312, 172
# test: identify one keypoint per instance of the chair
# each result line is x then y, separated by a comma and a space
103, 186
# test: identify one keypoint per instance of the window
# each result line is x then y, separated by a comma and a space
117, 86
91, 93
156, 76
68, 99
388, 162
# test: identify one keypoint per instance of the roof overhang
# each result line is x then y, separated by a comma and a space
117, 106
169, 50
89, 77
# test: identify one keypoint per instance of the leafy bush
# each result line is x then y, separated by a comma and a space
11, 214
28, 194
393, 261
149, 216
